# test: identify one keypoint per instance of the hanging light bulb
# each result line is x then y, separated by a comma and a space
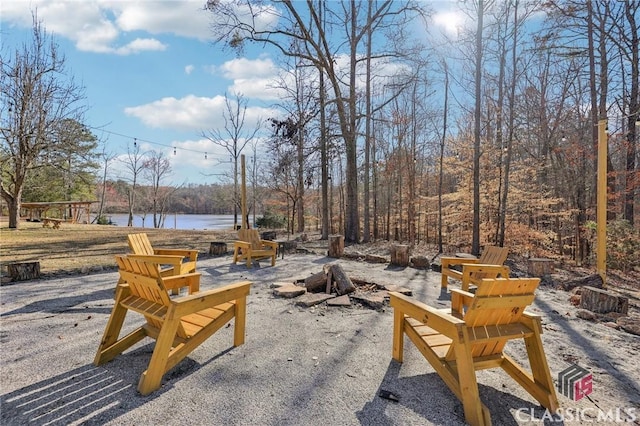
174, 150
205, 155
135, 142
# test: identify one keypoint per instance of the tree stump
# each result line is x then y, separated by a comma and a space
268, 235
21, 271
218, 248
602, 302
336, 246
539, 267
344, 285
316, 283
400, 255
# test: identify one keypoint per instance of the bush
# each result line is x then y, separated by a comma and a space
270, 220
623, 245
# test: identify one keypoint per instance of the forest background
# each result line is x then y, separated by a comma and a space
373, 142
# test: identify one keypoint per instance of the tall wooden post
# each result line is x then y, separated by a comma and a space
601, 253
243, 196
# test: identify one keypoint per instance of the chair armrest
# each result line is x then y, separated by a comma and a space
191, 254
242, 244
440, 321
191, 280
449, 261
272, 244
158, 259
459, 300
210, 298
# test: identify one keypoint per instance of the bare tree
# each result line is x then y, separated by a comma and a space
234, 137
134, 164
38, 97
107, 157
157, 168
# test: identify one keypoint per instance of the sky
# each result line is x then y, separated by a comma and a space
153, 77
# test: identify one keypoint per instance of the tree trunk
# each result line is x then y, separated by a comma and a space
21, 271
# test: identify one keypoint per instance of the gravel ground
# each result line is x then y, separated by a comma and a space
299, 366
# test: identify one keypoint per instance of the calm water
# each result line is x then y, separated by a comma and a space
179, 221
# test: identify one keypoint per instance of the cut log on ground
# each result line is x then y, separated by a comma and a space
21, 271
594, 280
316, 283
400, 255
336, 246
602, 301
344, 285
218, 248
539, 267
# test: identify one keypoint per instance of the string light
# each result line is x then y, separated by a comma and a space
135, 143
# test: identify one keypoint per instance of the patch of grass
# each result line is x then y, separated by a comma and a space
83, 248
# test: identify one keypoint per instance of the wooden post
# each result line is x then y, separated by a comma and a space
336, 246
243, 196
20, 271
400, 255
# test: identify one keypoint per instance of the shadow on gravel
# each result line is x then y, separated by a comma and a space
67, 304
428, 396
89, 394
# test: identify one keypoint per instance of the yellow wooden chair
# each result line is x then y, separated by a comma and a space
249, 246
170, 261
472, 336
178, 325
488, 265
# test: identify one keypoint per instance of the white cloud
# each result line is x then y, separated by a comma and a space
192, 113
253, 78
188, 69
102, 25
243, 68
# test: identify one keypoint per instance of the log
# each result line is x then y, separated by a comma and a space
344, 285
336, 246
218, 248
539, 267
316, 283
602, 302
20, 271
400, 255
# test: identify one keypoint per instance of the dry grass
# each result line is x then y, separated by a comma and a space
87, 248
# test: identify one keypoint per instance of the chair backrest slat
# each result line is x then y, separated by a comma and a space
498, 302
146, 283
493, 255
250, 236
140, 244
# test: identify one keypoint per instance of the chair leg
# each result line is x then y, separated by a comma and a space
240, 321
444, 281
113, 327
398, 335
151, 379
474, 413
235, 255
273, 259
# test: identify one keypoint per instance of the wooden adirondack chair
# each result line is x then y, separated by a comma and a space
170, 261
488, 265
178, 325
249, 246
472, 336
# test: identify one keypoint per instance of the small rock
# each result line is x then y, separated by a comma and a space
586, 315
343, 300
611, 325
312, 299
630, 324
289, 291
575, 299
420, 262
372, 300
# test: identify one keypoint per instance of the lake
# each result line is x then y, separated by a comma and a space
179, 221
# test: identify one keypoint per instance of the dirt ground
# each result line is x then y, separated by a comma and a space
300, 365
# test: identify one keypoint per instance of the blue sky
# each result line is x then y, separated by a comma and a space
151, 73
